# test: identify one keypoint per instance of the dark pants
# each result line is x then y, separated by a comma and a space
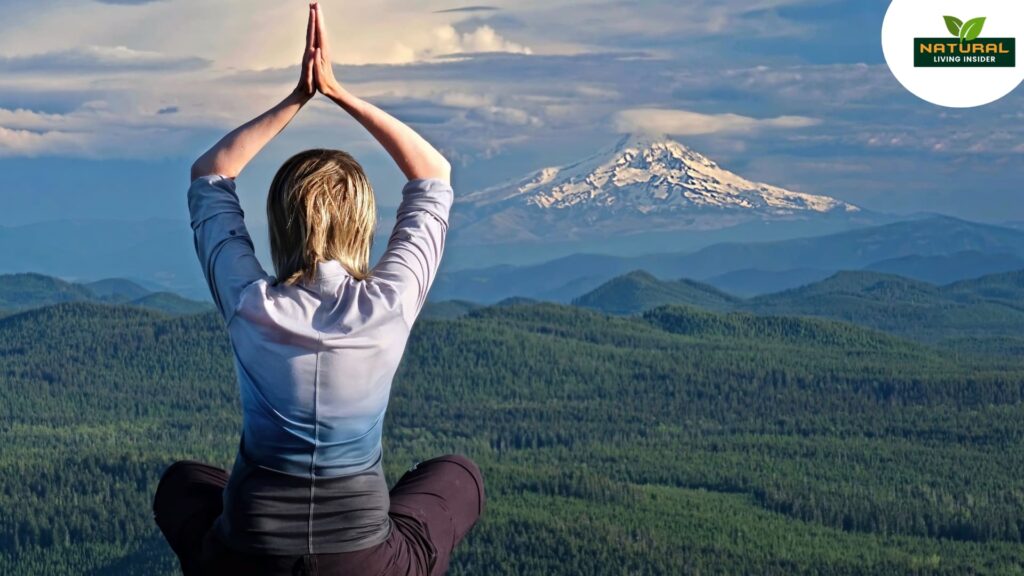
433, 506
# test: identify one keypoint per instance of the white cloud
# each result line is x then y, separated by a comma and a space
22, 119
505, 116
447, 41
29, 143
93, 130
249, 34
92, 59
466, 99
685, 123
483, 39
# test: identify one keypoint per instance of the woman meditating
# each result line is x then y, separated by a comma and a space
316, 347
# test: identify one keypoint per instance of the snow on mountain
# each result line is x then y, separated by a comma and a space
642, 184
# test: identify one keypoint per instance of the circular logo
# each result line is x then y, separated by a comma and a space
955, 53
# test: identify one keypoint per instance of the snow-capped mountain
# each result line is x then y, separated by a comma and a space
640, 185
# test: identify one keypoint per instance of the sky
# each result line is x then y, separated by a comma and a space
105, 104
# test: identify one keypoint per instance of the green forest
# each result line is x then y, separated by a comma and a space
673, 441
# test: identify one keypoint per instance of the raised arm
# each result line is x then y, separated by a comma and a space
416, 157
229, 156
409, 265
222, 242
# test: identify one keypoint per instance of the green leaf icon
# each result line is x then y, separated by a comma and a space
954, 24
971, 29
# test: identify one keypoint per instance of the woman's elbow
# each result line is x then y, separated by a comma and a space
442, 168
203, 167
445, 167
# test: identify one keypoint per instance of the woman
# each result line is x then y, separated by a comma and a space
316, 347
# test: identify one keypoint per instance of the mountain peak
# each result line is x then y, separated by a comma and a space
641, 183
641, 141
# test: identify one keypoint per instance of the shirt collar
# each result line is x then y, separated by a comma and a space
329, 274
330, 269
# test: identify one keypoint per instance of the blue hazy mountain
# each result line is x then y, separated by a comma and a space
565, 278
753, 282
152, 253
941, 269
157, 255
948, 268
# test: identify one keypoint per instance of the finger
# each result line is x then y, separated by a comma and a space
311, 29
321, 32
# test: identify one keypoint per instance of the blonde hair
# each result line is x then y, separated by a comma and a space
320, 207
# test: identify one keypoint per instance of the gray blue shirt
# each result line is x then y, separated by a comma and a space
315, 360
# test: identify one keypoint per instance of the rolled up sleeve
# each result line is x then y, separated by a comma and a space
222, 241
414, 250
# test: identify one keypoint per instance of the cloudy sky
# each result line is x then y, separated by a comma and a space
104, 104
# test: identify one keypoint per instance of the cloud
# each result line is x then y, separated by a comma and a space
30, 143
515, 82
447, 41
91, 59
21, 119
686, 123
483, 39
505, 116
95, 130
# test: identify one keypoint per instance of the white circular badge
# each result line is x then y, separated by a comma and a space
955, 53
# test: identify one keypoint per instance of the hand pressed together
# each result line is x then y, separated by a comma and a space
416, 157
316, 73
325, 81
307, 73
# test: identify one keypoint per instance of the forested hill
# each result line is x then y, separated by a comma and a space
987, 308
27, 291
676, 442
640, 290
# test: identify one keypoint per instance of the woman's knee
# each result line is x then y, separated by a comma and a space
474, 471
166, 480
181, 476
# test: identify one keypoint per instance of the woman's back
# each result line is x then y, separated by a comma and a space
315, 364
315, 361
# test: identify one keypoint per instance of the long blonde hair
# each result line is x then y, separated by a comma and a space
320, 207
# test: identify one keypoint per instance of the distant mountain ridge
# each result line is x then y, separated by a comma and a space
942, 240
753, 282
948, 268
20, 292
157, 252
